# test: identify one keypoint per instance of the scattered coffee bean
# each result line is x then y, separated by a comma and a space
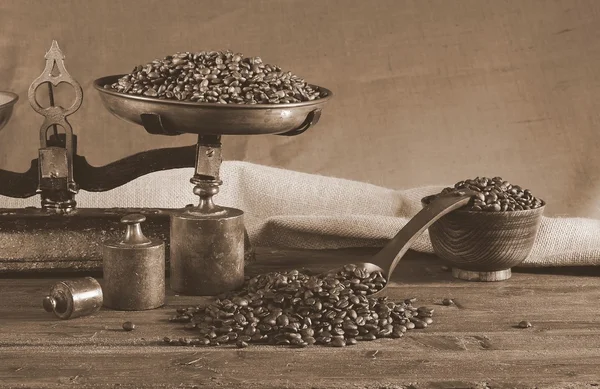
241, 344
203, 341
496, 195
298, 310
525, 324
338, 342
128, 326
448, 302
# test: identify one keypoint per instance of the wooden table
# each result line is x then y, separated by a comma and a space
473, 344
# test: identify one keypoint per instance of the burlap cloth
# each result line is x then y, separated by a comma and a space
297, 210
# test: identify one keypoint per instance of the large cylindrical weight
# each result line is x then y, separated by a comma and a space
207, 252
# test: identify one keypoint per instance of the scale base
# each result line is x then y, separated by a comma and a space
483, 276
36, 240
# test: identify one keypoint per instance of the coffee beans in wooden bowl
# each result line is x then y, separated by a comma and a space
497, 195
494, 232
221, 77
296, 309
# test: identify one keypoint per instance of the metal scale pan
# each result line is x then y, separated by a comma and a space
7, 102
172, 117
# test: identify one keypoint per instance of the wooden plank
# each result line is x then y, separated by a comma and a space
472, 344
259, 367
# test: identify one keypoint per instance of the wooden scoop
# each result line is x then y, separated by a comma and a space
386, 260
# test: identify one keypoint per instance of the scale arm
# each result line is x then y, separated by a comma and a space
19, 185
115, 174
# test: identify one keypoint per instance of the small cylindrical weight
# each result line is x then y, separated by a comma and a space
134, 269
74, 298
207, 252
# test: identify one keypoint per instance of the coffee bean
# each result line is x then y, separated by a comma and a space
241, 344
447, 302
185, 341
525, 324
203, 342
232, 336
128, 326
222, 339
338, 342
351, 341
369, 336
419, 324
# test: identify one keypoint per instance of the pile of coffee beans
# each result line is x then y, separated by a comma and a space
496, 195
221, 77
297, 310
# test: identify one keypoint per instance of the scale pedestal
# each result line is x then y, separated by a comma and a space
207, 241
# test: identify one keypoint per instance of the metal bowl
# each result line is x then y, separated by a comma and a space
178, 117
7, 102
484, 246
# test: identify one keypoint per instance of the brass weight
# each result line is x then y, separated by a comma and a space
134, 269
74, 298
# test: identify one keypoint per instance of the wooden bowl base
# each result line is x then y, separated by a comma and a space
484, 276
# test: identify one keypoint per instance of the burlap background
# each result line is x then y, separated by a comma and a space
426, 92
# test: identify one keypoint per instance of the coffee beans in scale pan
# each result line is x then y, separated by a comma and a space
221, 77
493, 233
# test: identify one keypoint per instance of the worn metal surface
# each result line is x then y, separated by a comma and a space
170, 117
7, 103
207, 252
134, 269
74, 298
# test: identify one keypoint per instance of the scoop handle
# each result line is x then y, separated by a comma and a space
388, 257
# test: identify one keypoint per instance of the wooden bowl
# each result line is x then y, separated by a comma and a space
484, 246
